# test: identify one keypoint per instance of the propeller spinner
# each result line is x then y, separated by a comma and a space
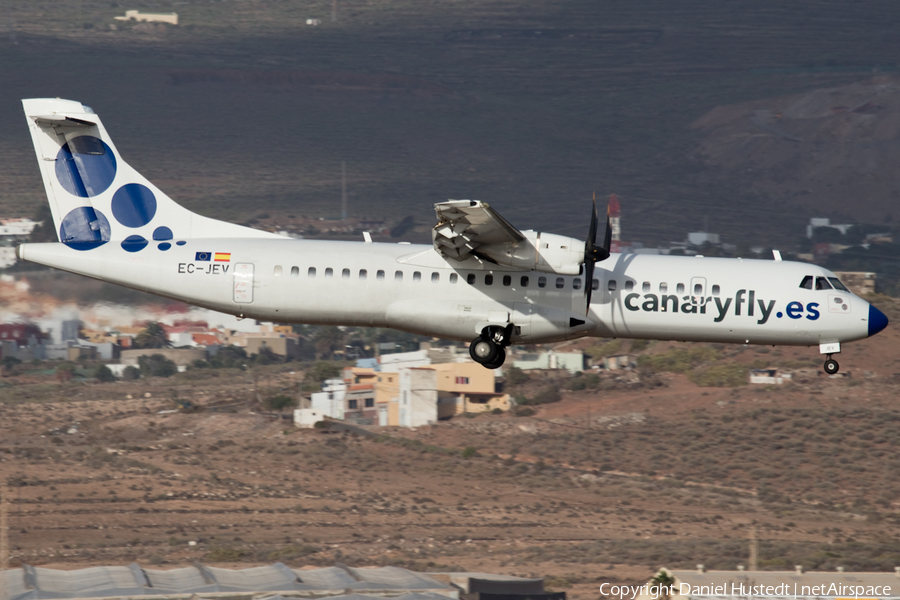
594, 253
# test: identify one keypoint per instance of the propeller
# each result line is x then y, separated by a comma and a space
594, 253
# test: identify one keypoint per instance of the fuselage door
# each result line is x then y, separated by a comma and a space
243, 283
521, 318
698, 287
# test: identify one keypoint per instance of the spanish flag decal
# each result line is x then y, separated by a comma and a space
222, 257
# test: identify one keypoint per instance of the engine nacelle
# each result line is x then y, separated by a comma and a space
546, 252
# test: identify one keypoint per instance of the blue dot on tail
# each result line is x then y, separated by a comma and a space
84, 228
134, 205
85, 166
134, 243
161, 234
164, 246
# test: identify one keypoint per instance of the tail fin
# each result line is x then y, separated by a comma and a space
95, 196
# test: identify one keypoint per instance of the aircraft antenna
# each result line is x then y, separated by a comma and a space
343, 190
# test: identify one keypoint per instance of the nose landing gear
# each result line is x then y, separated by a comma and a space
831, 365
488, 349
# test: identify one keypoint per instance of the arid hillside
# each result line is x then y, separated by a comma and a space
831, 150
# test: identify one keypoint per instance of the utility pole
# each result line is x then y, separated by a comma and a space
343, 188
4, 538
753, 549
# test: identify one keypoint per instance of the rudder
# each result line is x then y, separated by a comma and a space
95, 196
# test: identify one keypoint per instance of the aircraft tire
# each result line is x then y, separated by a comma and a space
831, 366
484, 351
498, 361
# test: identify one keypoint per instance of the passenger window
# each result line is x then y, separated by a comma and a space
311, 272
295, 271
595, 284
435, 277
542, 282
822, 284
560, 283
576, 283
278, 271
488, 280
398, 276
417, 276
470, 278
379, 275
646, 286
807, 282
329, 273
663, 288
715, 290
453, 277
837, 284
507, 280
363, 274
611, 285
524, 281
698, 289
679, 289
345, 274
629, 285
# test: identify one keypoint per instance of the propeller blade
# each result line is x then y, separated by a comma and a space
588, 284
607, 241
594, 253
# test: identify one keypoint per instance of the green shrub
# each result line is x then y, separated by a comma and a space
103, 374
720, 376
157, 365
224, 554
280, 402
677, 360
229, 357
515, 376
131, 373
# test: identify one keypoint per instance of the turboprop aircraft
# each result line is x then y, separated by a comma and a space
482, 280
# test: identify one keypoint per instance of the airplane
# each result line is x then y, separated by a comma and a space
481, 281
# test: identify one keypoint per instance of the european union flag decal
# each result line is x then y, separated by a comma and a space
200, 256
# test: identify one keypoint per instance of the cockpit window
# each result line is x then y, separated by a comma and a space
807, 282
837, 284
822, 283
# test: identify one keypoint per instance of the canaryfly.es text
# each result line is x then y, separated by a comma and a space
743, 304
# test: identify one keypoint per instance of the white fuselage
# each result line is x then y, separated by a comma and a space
412, 288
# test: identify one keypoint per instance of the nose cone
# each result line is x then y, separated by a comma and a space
877, 320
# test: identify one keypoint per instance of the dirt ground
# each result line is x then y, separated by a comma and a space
602, 486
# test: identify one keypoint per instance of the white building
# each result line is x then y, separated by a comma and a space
418, 397
136, 15
330, 401
17, 227
306, 418
570, 361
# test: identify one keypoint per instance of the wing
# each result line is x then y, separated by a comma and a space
464, 226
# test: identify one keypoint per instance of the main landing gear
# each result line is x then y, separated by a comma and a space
831, 366
488, 349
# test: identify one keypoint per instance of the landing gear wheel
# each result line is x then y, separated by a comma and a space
498, 361
484, 351
831, 366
